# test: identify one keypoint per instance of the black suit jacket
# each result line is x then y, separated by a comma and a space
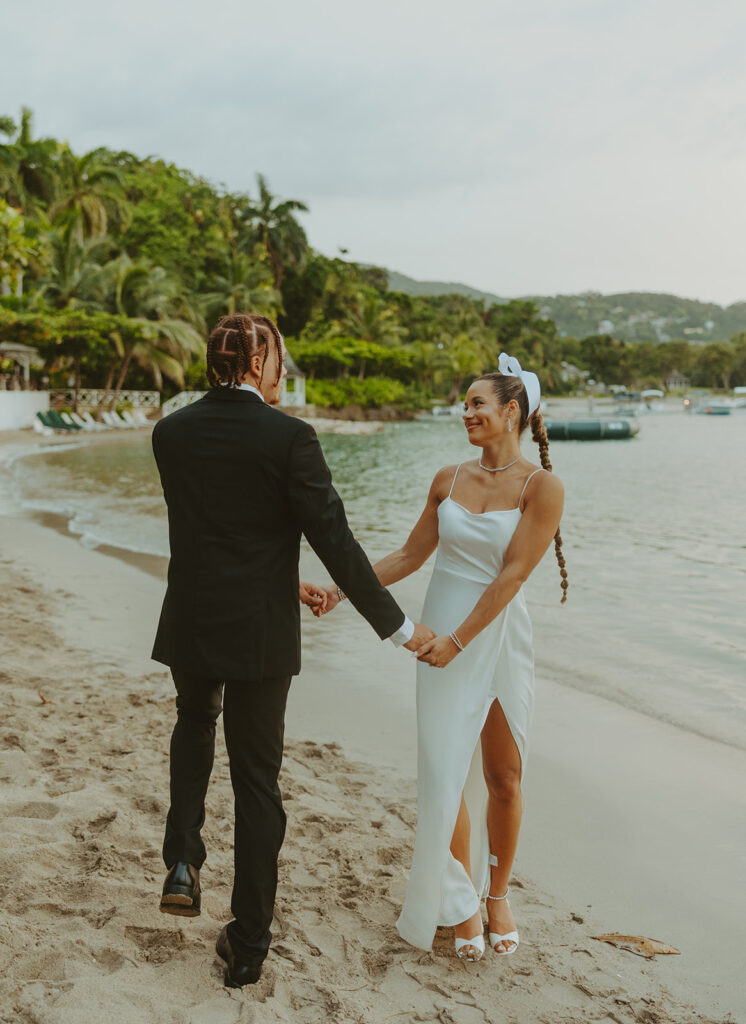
242, 481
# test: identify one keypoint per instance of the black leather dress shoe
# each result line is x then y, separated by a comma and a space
237, 973
181, 892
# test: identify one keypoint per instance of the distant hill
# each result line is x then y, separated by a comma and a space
634, 316
643, 316
401, 283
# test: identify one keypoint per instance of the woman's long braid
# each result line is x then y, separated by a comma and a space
539, 434
508, 388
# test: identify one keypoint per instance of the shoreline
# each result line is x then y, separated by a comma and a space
120, 602
156, 564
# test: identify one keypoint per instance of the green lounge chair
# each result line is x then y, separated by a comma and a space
55, 420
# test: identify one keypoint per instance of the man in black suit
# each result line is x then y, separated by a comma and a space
242, 481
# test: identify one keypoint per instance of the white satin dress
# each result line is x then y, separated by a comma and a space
452, 707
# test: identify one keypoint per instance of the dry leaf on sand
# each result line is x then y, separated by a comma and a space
637, 944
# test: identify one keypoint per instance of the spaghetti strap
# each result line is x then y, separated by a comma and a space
454, 478
524, 486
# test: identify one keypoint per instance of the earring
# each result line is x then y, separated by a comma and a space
510, 424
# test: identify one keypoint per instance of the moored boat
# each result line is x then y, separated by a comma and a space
591, 430
716, 407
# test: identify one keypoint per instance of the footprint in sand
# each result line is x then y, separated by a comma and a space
152, 807
103, 821
98, 918
156, 945
10, 742
109, 960
66, 780
389, 855
36, 809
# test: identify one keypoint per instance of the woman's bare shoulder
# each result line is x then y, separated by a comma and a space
442, 481
547, 485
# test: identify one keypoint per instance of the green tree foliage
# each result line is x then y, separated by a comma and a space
371, 393
16, 248
715, 364
177, 221
340, 357
604, 357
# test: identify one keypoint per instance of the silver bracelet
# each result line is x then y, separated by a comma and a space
456, 641
340, 595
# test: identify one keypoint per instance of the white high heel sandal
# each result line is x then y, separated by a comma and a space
470, 950
495, 938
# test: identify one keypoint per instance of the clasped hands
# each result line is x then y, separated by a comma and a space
434, 650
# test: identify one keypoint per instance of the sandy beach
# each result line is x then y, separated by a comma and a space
83, 760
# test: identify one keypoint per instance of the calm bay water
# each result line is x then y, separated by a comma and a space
653, 530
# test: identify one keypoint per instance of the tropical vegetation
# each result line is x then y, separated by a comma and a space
115, 268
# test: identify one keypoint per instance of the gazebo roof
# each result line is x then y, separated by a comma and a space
292, 369
13, 348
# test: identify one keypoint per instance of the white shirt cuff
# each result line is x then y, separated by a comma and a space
404, 633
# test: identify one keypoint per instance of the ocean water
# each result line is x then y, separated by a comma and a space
653, 534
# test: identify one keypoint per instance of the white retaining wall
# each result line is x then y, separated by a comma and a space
18, 408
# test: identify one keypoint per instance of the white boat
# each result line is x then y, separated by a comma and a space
442, 412
714, 407
632, 403
650, 399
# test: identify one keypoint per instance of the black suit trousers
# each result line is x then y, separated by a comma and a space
254, 724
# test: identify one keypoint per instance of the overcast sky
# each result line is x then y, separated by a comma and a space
536, 146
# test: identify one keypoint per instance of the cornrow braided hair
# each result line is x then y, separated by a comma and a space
232, 343
507, 389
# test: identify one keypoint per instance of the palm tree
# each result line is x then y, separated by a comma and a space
465, 358
27, 165
160, 329
90, 191
372, 320
162, 347
246, 283
426, 361
340, 292
274, 225
71, 277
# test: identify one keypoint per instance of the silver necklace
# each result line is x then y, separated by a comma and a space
497, 469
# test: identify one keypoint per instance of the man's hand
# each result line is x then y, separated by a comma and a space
313, 596
420, 636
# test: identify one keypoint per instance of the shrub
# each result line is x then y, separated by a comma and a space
370, 393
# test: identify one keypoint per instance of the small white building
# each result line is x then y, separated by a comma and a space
19, 405
294, 385
676, 381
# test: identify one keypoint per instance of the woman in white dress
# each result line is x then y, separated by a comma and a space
491, 519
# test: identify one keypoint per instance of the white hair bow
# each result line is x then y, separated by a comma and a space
510, 367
